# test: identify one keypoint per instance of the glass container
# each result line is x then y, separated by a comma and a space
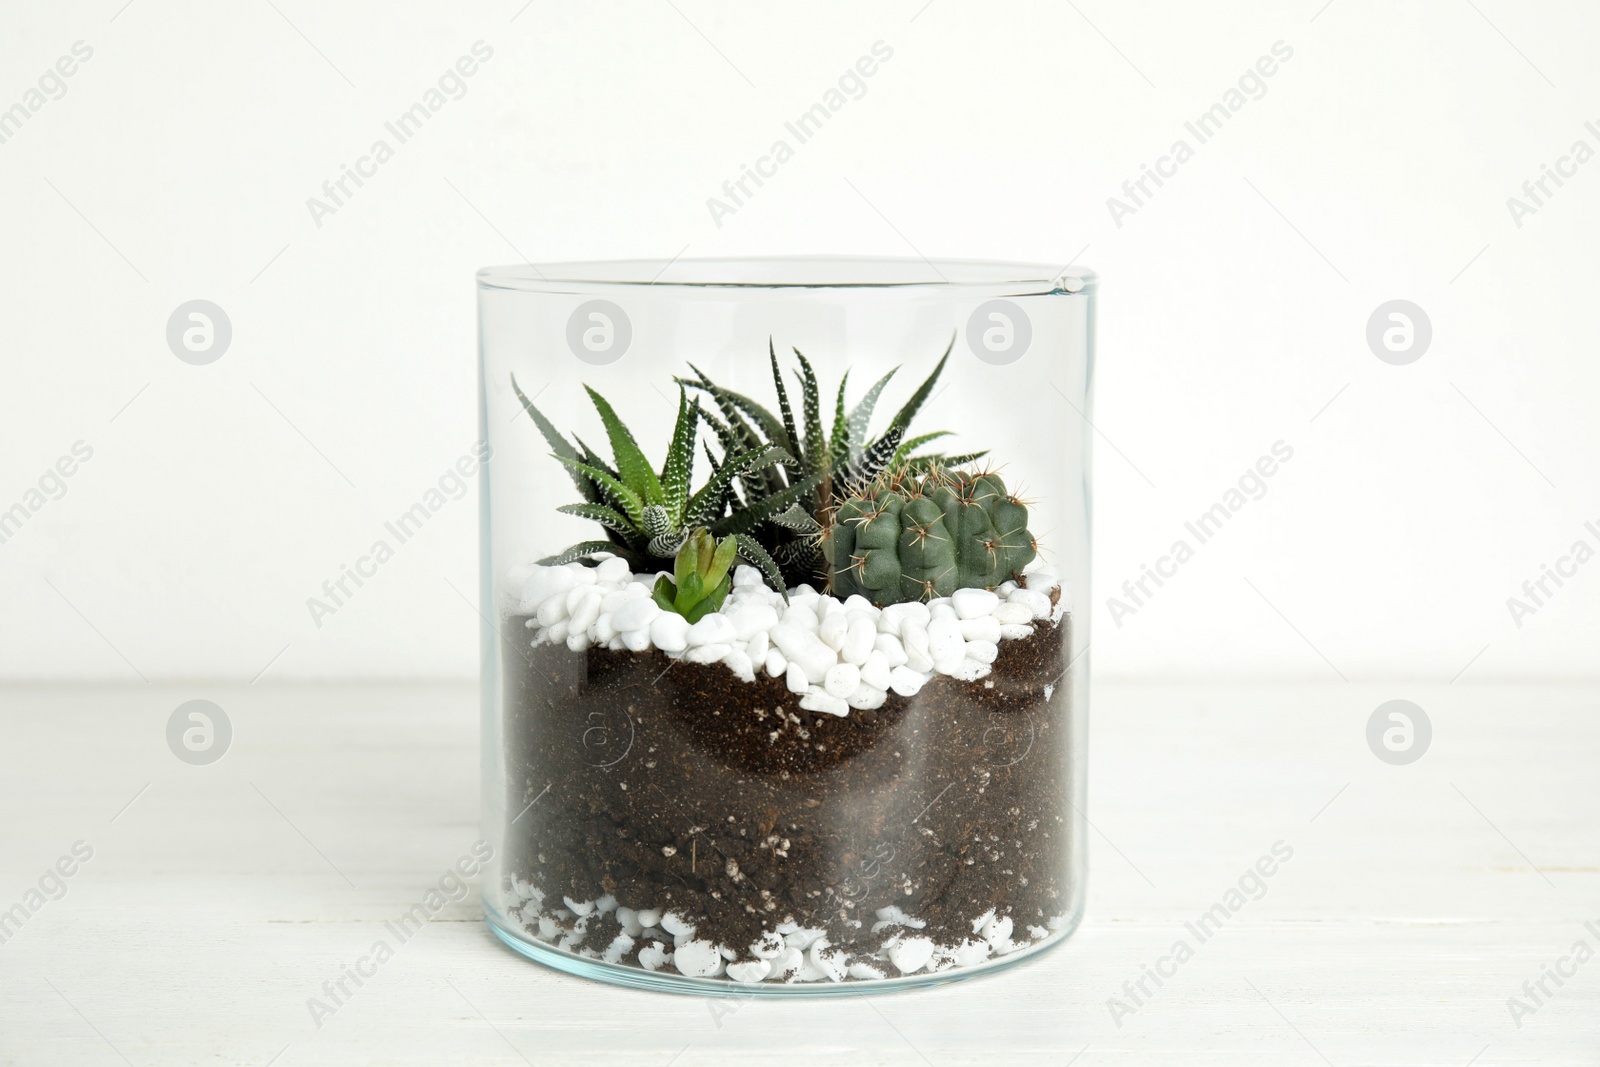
784, 681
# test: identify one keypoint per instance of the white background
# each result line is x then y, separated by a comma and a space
1377, 166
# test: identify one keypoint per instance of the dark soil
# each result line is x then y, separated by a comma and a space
678, 786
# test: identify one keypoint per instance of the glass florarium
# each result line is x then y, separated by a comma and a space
783, 568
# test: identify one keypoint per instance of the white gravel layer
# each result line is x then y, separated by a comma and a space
836, 655
787, 952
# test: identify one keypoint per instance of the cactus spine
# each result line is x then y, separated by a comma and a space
907, 536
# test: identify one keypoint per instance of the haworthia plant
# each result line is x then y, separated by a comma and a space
821, 466
647, 514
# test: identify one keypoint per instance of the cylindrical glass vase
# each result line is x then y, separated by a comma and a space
784, 565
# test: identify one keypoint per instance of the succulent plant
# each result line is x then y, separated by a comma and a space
647, 515
701, 573
917, 535
823, 465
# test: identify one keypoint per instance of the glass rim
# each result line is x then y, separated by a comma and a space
898, 274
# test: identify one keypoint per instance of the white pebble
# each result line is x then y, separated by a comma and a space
630, 922
971, 603
911, 954
586, 609
753, 619
756, 646
1037, 603
578, 642
1005, 589
544, 583
768, 946
804, 649
862, 969
801, 616
842, 679
857, 602
777, 664
940, 609
946, 646
906, 682
809, 972
1011, 613
895, 916
892, 649
830, 961
832, 629
582, 572
670, 632
707, 653
914, 636
698, 959
749, 972
619, 947
982, 628
875, 671
746, 576
653, 956
802, 937
971, 953
922, 610
635, 614
858, 641
612, 570
1042, 581
1017, 632
552, 611
649, 917
580, 908
676, 925
866, 697
795, 678
636, 640
603, 630
713, 629
556, 633
738, 661
982, 651
818, 700
785, 964
997, 932
969, 670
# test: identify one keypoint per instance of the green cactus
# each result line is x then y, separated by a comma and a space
911, 536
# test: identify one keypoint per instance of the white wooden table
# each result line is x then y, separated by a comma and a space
220, 898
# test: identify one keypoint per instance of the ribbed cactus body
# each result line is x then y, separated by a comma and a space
908, 537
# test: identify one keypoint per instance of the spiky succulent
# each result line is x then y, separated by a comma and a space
648, 514
911, 536
821, 465
699, 582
